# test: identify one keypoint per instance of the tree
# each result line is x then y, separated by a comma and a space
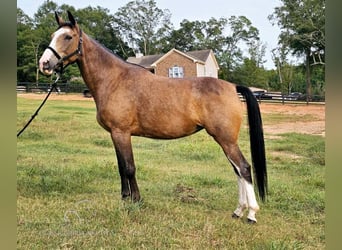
242, 33
257, 51
187, 38
25, 47
98, 23
302, 26
250, 74
197, 35
284, 69
143, 25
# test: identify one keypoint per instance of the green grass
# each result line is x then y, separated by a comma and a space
69, 188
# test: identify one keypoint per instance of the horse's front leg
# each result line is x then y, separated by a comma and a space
125, 190
124, 153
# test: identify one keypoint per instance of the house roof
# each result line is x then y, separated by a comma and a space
145, 61
194, 59
198, 56
203, 55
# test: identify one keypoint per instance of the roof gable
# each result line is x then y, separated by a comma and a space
197, 56
195, 60
145, 61
204, 55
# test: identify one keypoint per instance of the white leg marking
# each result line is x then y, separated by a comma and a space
242, 198
252, 203
246, 196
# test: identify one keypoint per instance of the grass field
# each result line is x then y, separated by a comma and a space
69, 188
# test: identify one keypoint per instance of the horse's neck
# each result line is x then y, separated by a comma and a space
97, 66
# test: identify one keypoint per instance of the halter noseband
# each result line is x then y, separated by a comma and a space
59, 67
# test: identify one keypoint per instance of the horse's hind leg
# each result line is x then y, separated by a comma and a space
124, 153
243, 204
242, 169
246, 200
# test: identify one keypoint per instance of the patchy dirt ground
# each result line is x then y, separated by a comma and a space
314, 126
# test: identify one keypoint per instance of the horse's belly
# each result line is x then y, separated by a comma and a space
170, 129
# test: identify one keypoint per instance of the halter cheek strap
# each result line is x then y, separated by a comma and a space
59, 67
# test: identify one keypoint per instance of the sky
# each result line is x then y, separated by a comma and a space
256, 11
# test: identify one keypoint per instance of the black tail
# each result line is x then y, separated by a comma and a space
256, 139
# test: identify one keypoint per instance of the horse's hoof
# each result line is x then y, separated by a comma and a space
136, 199
251, 222
126, 197
235, 216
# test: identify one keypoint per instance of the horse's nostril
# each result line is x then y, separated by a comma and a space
46, 65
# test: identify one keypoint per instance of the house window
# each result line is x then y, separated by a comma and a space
176, 72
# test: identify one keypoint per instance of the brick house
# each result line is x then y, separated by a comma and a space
177, 64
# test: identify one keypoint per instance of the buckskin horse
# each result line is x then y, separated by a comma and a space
131, 101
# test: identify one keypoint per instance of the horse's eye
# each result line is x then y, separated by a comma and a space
67, 37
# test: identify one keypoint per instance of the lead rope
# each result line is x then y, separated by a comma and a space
54, 85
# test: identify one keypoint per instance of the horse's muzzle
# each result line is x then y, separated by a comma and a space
46, 69
47, 62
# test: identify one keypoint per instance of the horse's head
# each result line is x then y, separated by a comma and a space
64, 48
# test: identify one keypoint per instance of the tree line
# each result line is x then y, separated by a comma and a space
141, 26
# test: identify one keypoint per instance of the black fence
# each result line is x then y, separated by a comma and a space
29, 87
295, 98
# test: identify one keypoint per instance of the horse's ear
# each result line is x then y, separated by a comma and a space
71, 18
58, 19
